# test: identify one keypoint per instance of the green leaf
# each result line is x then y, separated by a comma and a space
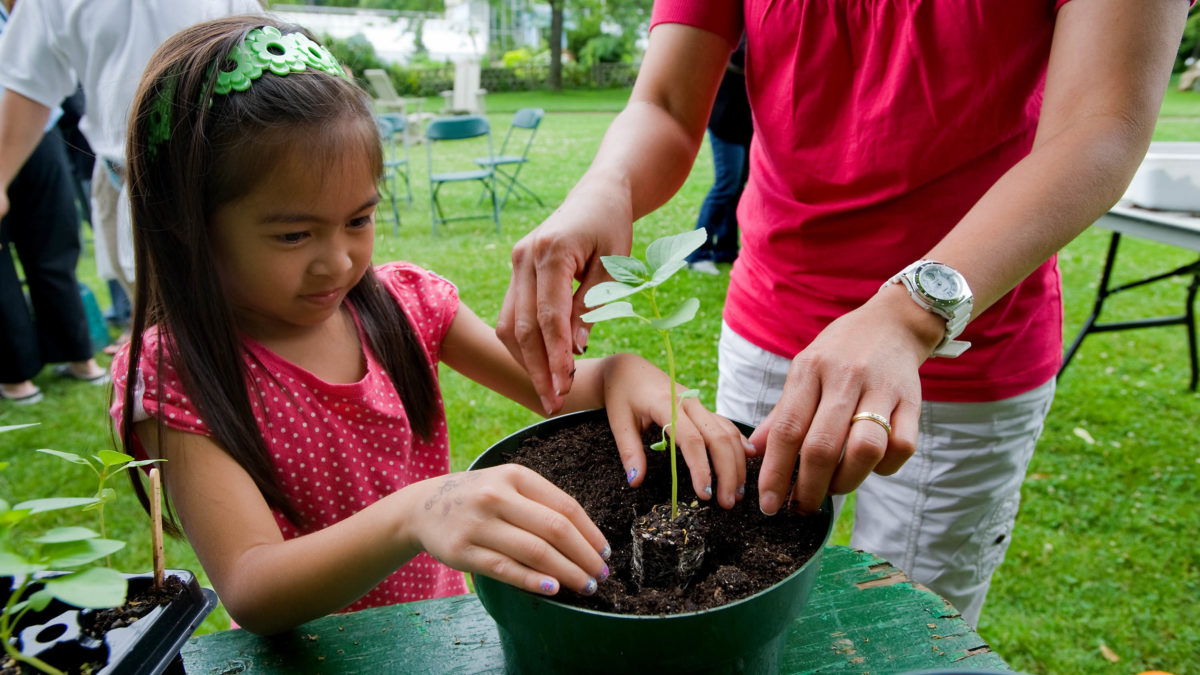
674, 248
69, 456
55, 504
682, 314
663, 273
14, 427
617, 310
661, 445
12, 565
61, 535
39, 600
112, 457
143, 462
607, 291
690, 393
625, 269
4, 505
79, 553
96, 588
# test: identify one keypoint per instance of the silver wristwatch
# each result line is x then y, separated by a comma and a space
942, 290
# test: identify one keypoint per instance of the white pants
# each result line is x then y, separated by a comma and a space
946, 518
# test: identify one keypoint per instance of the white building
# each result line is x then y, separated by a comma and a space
462, 33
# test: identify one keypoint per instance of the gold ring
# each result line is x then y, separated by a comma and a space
874, 417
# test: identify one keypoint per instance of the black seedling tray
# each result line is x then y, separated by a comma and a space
148, 646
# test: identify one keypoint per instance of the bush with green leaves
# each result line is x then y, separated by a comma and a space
664, 257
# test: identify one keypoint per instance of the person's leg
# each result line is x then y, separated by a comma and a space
946, 518
724, 235
51, 224
720, 203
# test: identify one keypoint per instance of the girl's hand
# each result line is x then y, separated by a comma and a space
637, 393
511, 524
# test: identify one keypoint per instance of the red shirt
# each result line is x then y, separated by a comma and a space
337, 448
877, 126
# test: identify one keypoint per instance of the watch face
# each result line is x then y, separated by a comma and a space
939, 282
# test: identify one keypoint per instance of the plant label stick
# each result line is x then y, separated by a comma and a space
156, 525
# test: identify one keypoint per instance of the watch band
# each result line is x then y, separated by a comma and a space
956, 312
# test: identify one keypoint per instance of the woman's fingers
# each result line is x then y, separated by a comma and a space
719, 448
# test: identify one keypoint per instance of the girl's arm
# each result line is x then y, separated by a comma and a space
633, 390
506, 522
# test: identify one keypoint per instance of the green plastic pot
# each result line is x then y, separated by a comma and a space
540, 635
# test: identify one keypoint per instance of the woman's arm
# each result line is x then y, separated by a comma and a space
644, 158
1108, 69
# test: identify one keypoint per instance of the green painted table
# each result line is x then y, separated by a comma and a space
864, 616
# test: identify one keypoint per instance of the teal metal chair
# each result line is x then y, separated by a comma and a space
441, 131
393, 126
508, 166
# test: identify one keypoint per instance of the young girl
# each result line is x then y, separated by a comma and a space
292, 387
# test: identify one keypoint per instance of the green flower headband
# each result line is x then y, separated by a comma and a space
262, 49
266, 49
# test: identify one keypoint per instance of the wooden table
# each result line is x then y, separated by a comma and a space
864, 616
1166, 227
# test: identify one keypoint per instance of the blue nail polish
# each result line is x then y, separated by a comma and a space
590, 587
741, 490
606, 552
604, 573
708, 490
549, 586
630, 475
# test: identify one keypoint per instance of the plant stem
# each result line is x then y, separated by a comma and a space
674, 411
8, 622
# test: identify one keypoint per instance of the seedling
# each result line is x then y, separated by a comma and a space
24, 554
105, 464
664, 257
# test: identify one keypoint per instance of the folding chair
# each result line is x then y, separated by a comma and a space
526, 120
442, 130
395, 161
388, 101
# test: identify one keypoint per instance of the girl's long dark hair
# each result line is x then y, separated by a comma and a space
189, 152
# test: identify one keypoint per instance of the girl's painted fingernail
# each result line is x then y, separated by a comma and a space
590, 587
708, 489
606, 552
604, 573
748, 445
741, 490
630, 475
549, 586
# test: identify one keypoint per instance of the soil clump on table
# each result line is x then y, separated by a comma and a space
746, 551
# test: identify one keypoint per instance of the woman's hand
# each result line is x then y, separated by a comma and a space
539, 320
511, 524
865, 361
637, 393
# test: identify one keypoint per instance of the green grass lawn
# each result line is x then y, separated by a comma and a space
1104, 561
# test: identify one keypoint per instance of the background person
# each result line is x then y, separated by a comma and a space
730, 129
978, 135
42, 225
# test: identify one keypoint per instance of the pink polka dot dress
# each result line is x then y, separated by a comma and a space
336, 447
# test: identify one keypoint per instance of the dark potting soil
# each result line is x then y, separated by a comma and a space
745, 553
95, 623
